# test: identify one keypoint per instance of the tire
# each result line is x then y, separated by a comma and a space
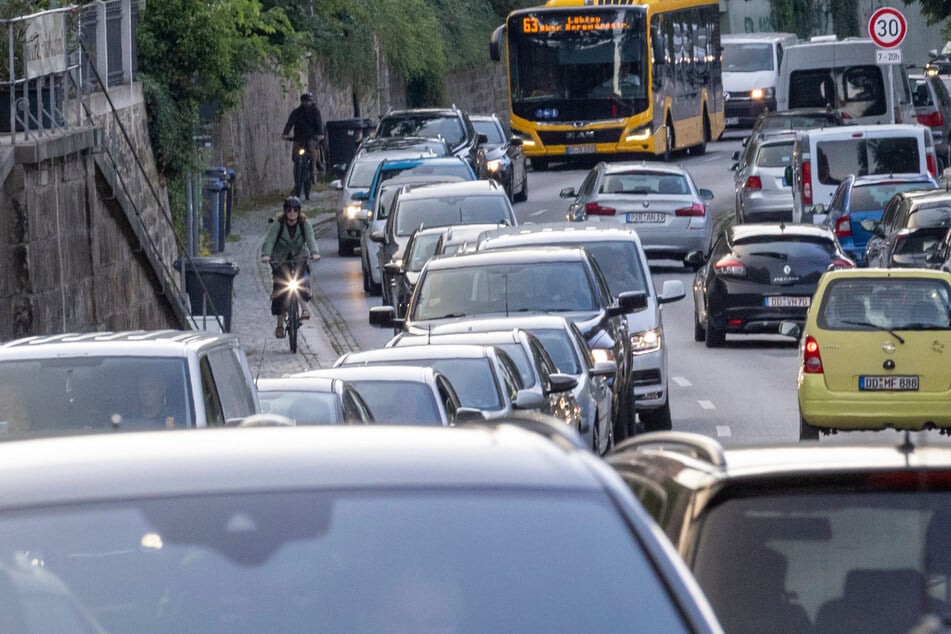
366, 280
701, 148
668, 142
293, 322
714, 337
806, 431
522, 194
699, 334
657, 419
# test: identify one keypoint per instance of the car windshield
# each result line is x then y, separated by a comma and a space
417, 213
361, 176
490, 130
40, 396
842, 560
424, 246
747, 58
874, 196
775, 154
468, 560
304, 408
508, 288
901, 303
473, 379
436, 126
399, 402
620, 263
557, 343
644, 183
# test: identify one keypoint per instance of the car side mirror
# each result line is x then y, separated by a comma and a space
790, 329
736, 155
336, 184
377, 236
628, 302
468, 415
384, 317
360, 196
671, 291
527, 399
706, 194
393, 268
339, 168
561, 383
607, 369
481, 138
695, 259
516, 141
567, 192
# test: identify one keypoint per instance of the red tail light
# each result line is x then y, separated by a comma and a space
730, 266
594, 209
811, 361
806, 183
754, 183
932, 164
933, 120
845, 115
694, 210
843, 227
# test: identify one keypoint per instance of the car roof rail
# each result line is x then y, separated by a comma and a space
549, 427
701, 446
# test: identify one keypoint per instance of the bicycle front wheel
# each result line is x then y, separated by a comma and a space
293, 322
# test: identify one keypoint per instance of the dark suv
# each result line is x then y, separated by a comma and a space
450, 124
818, 539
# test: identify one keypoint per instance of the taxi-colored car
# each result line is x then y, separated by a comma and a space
875, 352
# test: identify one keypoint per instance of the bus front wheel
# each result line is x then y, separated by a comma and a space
668, 142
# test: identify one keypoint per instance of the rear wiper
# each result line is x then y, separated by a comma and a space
874, 327
771, 254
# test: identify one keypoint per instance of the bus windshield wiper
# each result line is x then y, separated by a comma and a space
874, 327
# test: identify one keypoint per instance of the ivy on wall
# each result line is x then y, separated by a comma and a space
806, 18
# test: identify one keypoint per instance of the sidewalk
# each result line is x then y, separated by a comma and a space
321, 340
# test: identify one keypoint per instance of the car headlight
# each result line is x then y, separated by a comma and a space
526, 139
494, 165
647, 341
640, 134
602, 354
762, 93
352, 211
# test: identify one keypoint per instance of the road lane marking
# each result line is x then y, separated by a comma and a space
538, 213
681, 381
723, 431
707, 404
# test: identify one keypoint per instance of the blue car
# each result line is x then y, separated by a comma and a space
864, 197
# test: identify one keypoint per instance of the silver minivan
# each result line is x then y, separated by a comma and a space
751, 63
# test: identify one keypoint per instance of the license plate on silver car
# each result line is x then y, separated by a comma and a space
786, 302
647, 216
890, 383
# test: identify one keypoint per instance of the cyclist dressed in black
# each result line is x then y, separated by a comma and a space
308, 128
290, 239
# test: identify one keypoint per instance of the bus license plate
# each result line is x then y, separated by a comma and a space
732, 121
580, 149
647, 216
891, 383
786, 302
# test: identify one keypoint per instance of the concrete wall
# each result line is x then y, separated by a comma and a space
76, 254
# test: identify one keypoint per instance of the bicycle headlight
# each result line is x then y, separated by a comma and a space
647, 341
494, 165
301, 151
293, 285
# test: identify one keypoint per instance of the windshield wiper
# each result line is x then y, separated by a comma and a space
447, 316
874, 327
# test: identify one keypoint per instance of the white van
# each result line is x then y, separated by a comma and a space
844, 74
824, 157
751, 63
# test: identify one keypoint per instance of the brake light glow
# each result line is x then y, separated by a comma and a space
933, 120
811, 361
754, 183
730, 266
806, 183
841, 263
843, 227
845, 115
594, 209
693, 211
932, 164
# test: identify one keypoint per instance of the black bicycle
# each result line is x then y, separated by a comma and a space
291, 284
302, 173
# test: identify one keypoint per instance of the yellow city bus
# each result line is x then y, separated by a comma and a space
613, 77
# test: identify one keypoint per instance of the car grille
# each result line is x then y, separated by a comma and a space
646, 377
575, 137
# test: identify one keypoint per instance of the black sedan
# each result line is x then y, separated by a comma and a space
759, 275
504, 157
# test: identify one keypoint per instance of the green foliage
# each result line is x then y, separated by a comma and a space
845, 17
935, 10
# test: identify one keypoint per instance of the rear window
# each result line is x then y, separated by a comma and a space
860, 156
399, 402
775, 155
645, 183
444, 127
451, 210
857, 90
873, 197
880, 303
784, 246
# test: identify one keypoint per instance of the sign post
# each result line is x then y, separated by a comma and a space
887, 28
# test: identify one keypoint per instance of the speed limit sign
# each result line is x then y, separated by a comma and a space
887, 27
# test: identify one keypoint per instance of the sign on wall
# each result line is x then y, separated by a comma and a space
45, 47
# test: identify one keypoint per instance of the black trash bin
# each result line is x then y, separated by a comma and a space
226, 175
344, 136
217, 275
213, 214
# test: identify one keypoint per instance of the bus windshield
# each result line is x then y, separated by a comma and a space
569, 66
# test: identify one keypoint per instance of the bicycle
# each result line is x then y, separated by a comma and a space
293, 274
302, 173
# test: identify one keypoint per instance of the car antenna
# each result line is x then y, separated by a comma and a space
506, 294
429, 334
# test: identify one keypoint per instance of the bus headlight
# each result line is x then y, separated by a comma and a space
647, 341
640, 134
